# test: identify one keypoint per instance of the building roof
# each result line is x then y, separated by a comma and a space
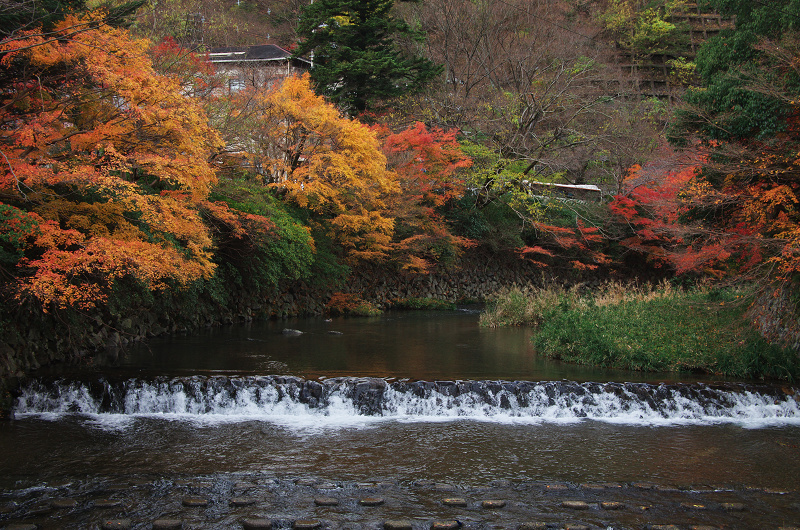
586, 187
260, 53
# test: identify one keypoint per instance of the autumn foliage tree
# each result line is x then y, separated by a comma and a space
324, 162
105, 165
742, 200
650, 214
429, 164
192, 71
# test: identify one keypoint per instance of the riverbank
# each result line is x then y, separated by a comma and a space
700, 330
30, 338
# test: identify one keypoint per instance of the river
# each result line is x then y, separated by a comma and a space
405, 399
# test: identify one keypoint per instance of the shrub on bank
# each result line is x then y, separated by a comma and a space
661, 329
351, 304
516, 306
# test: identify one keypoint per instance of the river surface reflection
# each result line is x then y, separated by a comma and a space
423, 345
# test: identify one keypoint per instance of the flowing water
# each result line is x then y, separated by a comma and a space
405, 399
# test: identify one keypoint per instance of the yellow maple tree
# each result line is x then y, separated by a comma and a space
325, 162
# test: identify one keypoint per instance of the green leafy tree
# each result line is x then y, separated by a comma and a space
643, 27
735, 101
357, 54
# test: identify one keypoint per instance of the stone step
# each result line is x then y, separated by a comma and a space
298, 503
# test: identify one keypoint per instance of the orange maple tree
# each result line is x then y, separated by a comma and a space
194, 72
582, 247
104, 166
712, 218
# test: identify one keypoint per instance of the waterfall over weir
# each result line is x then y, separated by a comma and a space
345, 401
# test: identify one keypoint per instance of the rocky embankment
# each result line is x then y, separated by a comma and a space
479, 275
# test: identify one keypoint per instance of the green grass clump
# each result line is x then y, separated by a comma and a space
661, 329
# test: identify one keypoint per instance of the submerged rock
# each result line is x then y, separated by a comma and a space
64, 503
107, 503
117, 523
446, 525
256, 524
398, 524
241, 501
167, 524
195, 501
306, 524
326, 501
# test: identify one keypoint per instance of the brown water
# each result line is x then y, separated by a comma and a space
420, 345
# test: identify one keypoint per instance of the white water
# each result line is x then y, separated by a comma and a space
338, 404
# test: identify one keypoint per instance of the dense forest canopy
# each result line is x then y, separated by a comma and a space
423, 128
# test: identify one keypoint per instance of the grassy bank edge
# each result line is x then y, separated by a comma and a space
654, 329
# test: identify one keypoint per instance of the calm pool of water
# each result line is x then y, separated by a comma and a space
424, 345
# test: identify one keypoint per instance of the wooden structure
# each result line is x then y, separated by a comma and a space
257, 66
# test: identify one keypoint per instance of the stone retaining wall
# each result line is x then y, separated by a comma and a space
478, 275
774, 313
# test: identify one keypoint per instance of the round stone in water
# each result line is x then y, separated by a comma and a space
575, 505
241, 501
64, 503
116, 523
256, 524
107, 503
326, 501
195, 501
398, 524
167, 524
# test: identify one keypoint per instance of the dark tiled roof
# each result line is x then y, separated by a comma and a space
264, 52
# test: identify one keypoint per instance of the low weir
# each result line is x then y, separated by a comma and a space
335, 400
